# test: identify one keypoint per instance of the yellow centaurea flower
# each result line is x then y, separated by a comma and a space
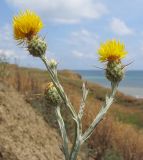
26, 25
111, 50
49, 85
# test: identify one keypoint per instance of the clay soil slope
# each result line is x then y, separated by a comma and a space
24, 135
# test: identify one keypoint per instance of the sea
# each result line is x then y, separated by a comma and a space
132, 84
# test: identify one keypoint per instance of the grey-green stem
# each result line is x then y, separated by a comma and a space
63, 132
104, 108
59, 87
79, 138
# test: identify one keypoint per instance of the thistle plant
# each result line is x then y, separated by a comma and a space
26, 27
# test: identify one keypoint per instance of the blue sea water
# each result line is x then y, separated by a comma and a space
132, 83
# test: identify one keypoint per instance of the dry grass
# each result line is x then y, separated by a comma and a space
116, 133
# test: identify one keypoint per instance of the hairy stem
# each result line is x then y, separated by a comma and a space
59, 88
102, 112
63, 132
79, 138
65, 99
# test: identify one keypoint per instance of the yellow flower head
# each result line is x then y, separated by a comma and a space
111, 50
26, 25
49, 86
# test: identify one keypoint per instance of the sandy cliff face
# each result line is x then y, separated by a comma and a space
24, 135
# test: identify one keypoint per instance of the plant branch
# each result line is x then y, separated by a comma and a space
54, 77
79, 138
63, 132
59, 87
76, 146
82, 105
102, 112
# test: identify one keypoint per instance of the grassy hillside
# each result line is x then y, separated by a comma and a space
119, 136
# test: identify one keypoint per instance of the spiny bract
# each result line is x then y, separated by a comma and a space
114, 71
52, 95
37, 46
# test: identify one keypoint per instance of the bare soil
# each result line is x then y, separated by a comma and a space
24, 134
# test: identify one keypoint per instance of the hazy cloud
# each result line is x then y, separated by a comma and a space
84, 38
84, 44
79, 54
70, 11
119, 27
8, 46
7, 53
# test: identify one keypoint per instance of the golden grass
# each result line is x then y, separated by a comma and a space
116, 132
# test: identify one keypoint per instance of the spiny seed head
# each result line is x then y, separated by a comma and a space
52, 95
114, 71
37, 46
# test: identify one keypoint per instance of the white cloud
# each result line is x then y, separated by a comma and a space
5, 32
79, 54
64, 11
83, 37
84, 44
66, 21
6, 40
82, 32
7, 53
120, 28
8, 46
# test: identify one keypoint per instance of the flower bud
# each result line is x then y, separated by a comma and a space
37, 46
52, 95
53, 64
114, 71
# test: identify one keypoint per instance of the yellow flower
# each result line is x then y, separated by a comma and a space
111, 50
26, 25
49, 86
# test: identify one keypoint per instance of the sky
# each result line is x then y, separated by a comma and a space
74, 30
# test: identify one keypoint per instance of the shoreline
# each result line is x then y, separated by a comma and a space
132, 85
132, 91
